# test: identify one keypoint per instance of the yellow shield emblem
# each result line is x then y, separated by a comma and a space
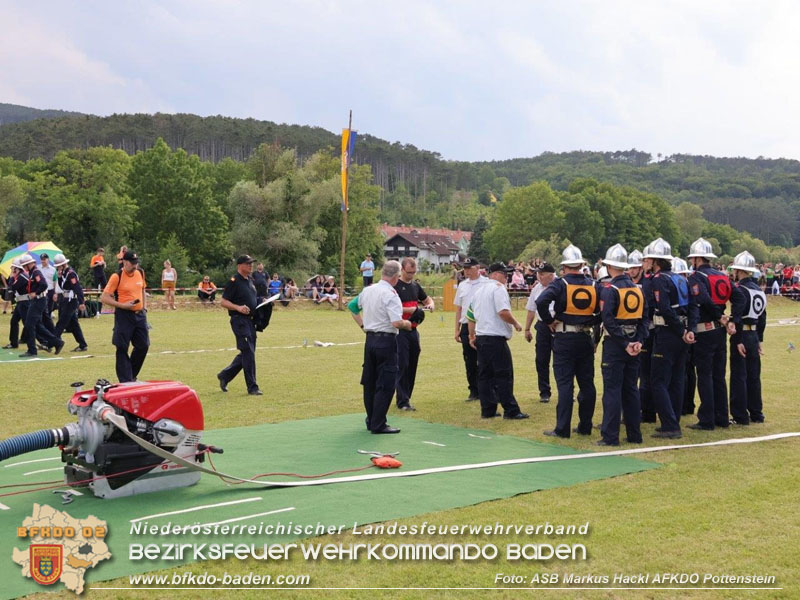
46, 562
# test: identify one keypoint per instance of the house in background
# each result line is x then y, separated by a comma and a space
437, 246
438, 250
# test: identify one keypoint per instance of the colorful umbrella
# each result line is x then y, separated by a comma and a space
35, 249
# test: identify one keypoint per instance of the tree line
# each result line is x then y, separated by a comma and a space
418, 187
166, 203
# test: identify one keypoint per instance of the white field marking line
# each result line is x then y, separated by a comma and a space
120, 423
4, 507
483, 437
41, 471
435, 444
244, 518
27, 462
31, 360
164, 352
195, 508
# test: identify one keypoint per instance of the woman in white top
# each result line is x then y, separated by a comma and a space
169, 279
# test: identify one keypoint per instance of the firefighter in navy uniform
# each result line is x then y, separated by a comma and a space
675, 318
711, 290
576, 305
622, 309
746, 327
18, 285
240, 299
646, 355
680, 267
37, 304
408, 349
70, 301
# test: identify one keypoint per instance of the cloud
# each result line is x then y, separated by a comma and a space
469, 80
43, 67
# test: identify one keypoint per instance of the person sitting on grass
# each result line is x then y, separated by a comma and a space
314, 287
329, 292
290, 292
206, 290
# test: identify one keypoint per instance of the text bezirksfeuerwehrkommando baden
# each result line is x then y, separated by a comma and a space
194, 550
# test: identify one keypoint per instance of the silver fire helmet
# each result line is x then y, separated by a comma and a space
701, 248
744, 261
659, 249
679, 266
616, 256
635, 259
572, 257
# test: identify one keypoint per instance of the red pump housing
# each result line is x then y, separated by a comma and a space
152, 401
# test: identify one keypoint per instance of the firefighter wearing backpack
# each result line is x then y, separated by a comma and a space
675, 319
711, 291
624, 315
746, 327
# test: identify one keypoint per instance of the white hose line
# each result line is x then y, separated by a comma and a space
119, 422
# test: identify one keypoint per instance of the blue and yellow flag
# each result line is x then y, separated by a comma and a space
348, 141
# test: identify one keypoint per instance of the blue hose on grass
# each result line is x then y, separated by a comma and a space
29, 442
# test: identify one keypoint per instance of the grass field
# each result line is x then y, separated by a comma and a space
725, 510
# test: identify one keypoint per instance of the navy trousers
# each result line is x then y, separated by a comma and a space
645, 394
620, 393
495, 376
746, 403
470, 361
408, 350
573, 360
17, 315
689, 383
68, 321
544, 348
667, 377
710, 358
245, 332
378, 376
34, 328
130, 328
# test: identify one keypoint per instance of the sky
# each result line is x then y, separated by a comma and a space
471, 80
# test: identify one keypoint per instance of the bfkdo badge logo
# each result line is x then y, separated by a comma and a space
46, 562
62, 548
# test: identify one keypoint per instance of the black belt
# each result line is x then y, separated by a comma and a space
381, 333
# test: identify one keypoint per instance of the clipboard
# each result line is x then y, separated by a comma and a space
269, 300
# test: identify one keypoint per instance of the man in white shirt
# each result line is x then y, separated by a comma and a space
381, 317
464, 293
49, 273
545, 275
491, 324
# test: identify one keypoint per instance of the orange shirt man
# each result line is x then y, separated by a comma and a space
130, 316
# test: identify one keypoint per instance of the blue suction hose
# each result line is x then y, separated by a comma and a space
36, 440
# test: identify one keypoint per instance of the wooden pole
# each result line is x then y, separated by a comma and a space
344, 217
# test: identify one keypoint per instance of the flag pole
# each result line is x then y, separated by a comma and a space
345, 209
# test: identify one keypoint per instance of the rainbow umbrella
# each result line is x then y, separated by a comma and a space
35, 249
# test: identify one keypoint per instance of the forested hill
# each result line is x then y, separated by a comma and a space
761, 196
13, 113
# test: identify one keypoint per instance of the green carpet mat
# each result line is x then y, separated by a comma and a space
308, 447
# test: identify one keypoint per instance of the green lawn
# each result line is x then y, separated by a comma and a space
725, 510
